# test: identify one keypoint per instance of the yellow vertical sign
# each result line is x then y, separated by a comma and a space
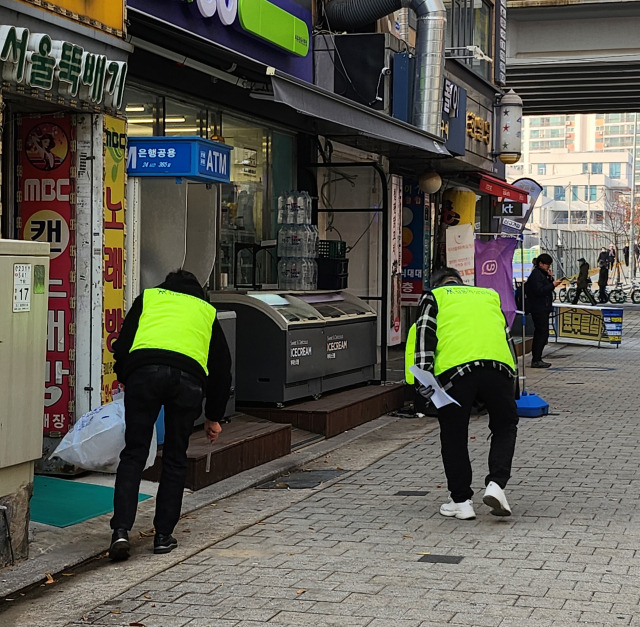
113, 279
106, 15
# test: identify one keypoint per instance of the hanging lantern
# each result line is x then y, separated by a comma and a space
510, 134
429, 182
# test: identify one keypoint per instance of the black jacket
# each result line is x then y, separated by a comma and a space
539, 292
583, 275
603, 277
217, 385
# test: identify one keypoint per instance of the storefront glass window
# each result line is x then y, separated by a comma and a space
246, 214
482, 35
144, 112
183, 119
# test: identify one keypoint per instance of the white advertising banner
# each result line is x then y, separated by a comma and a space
460, 251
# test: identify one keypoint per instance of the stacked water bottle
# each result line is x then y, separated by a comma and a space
297, 243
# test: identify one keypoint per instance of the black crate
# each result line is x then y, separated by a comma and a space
332, 248
329, 267
333, 282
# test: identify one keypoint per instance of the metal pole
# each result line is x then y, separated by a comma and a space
632, 215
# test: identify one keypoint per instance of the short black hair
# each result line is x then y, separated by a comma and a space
544, 258
445, 275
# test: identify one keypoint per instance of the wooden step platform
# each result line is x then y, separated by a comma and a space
337, 412
245, 443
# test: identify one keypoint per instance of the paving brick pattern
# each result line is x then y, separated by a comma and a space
348, 555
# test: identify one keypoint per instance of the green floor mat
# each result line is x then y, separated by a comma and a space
60, 502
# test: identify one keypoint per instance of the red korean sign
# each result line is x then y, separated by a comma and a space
47, 213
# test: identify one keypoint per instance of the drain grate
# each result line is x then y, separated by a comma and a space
301, 480
410, 493
441, 559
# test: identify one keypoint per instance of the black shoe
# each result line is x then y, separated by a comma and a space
540, 364
164, 543
119, 549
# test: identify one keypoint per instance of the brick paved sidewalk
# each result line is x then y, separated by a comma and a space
349, 553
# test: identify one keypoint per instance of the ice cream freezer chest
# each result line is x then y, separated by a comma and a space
295, 345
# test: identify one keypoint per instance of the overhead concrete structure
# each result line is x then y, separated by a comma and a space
574, 56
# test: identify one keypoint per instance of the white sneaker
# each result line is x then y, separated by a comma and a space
463, 511
494, 497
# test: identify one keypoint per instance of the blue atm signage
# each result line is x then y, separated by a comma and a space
192, 158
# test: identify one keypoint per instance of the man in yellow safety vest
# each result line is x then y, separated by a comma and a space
171, 351
462, 337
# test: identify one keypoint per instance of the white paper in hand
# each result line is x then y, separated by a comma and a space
440, 398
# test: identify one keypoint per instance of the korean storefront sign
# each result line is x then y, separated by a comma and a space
461, 251
274, 32
47, 212
395, 261
35, 60
416, 228
192, 158
453, 126
113, 252
101, 14
588, 325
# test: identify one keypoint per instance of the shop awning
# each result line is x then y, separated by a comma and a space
354, 124
497, 187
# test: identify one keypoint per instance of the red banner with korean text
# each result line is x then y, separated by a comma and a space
115, 143
46, 206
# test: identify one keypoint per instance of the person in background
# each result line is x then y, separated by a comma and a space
472, 357
539, 303
625, 252
582, 285
611, 256
171, 351
603, 279
603, 256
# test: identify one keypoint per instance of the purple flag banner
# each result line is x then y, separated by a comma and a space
494, 269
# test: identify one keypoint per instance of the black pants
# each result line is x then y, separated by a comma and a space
540, 334
603, 294
497, 390
147, 389
587, 293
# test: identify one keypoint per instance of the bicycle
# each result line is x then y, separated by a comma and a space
621, 293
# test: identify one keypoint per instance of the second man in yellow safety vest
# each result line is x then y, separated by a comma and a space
171, 351
463, 339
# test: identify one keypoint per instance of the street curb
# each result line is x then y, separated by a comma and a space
33, 571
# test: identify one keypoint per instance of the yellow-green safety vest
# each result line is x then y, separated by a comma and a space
471, 327
164, 311
410, 355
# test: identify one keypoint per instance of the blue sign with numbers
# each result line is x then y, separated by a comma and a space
192, 158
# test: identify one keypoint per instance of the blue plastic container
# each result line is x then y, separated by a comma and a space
160, 426
530, 405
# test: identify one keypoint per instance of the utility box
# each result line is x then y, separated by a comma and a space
24, 295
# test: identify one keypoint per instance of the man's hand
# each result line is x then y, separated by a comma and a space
212, 429
556, 283
426, 392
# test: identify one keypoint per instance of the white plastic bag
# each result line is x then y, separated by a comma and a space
95, 441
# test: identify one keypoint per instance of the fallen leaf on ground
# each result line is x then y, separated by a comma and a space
404, 535
136, 625
50, 579
67, 574
425, 553
300, 591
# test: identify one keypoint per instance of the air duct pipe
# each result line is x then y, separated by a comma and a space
432, 19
